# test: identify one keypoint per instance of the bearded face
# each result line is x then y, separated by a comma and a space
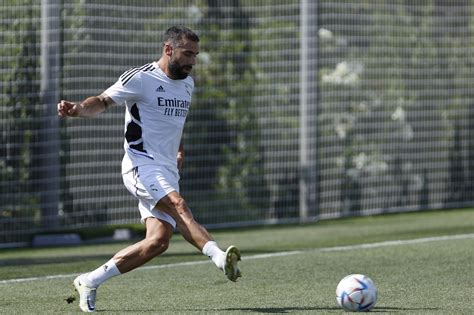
182, 59
178, 71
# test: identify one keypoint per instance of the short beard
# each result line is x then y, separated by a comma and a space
177, 71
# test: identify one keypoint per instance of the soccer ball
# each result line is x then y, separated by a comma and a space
356, 293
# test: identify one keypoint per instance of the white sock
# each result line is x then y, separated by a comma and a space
212, 251
104, 272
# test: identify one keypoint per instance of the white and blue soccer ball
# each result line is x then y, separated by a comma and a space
356, 293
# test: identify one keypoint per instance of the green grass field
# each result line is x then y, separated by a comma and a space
291, 269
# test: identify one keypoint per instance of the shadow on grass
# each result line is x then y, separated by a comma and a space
284, 310
278, 310
50, 260
68, 259
103, 256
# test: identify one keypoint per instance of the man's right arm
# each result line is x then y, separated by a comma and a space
90, 107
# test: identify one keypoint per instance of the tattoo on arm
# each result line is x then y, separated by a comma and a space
106, 100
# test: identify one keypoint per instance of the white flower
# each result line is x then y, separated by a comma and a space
399, 114
377, 166
360, 160
204, 58
406, 129
369, 163
325, 34
345, 73
343, 124
408, 132
195, 13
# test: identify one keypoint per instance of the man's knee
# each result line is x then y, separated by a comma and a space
157, 244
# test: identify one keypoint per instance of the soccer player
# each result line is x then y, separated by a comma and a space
157, 97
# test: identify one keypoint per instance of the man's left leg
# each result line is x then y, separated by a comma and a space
158, 235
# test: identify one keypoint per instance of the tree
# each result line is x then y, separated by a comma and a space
224, 124
21, 119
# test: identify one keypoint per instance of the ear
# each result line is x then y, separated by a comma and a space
168, 49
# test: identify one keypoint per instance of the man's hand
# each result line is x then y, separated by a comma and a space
180, 156
180, 159
68, 109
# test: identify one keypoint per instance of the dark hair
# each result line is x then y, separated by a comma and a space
175, 33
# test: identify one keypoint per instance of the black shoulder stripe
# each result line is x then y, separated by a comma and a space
134, 69
127, 72
131, 72
128, 75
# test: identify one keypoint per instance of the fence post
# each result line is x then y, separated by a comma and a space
48, 155
308, 182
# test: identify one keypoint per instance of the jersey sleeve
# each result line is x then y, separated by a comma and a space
125, 89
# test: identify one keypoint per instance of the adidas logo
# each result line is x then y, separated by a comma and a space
160, 89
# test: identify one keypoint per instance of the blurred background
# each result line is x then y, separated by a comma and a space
303, 110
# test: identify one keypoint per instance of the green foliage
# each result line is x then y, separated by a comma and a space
394, 104
396, 70
225, 100
19, 110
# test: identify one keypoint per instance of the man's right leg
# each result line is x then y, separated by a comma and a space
158, 235
175, 206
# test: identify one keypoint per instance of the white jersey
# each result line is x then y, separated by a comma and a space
156, 109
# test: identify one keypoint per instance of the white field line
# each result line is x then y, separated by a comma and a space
278, 254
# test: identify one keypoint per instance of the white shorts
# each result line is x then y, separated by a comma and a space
150, 183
